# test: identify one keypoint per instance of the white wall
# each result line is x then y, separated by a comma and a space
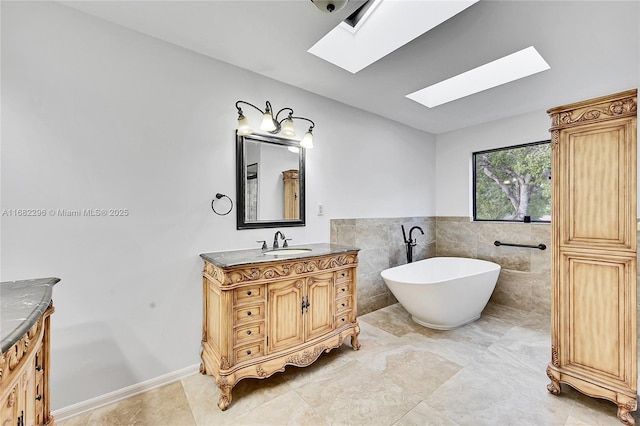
454, 149
97, 116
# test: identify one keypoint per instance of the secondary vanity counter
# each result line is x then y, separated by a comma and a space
265, 311
21, 305
25, 308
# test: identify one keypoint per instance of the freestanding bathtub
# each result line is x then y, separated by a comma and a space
443, 292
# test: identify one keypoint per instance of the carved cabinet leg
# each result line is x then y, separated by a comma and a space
554, 386
354, 342
225, 385
624, 411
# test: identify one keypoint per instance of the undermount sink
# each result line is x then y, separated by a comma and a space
286, 251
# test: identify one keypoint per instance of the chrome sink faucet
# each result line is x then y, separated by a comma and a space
275, 240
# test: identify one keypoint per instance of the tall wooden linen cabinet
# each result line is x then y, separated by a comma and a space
593, 341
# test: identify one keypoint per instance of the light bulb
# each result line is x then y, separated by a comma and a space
307, 140
243, 126
287, 128
267, 122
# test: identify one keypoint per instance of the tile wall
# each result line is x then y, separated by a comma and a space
525, 279
381, 246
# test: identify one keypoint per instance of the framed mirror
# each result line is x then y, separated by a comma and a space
270, 182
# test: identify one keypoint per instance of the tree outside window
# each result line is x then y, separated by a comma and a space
514, 182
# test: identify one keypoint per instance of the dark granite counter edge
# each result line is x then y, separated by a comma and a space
231, 258
11, 338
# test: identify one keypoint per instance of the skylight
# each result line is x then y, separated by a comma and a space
360, 14
509, 68
386, 26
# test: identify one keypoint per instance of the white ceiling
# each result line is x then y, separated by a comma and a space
593, 48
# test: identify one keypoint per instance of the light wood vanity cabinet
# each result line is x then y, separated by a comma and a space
594, 342
260, 317
24, 376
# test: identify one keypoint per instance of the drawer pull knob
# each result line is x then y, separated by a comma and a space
344, 289
39, 398
249, 313
249, 293
343, 274
249, 352
343, 305
249, 332
38, 368
342, 319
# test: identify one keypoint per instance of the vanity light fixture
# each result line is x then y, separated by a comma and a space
271, 124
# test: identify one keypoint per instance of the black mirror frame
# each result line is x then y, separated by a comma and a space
241, 183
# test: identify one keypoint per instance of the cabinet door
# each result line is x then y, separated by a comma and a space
597, 317
597, 186
319, 315
286, 326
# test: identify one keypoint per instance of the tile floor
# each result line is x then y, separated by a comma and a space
490, 372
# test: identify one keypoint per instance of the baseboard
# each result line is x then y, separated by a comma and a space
120, 394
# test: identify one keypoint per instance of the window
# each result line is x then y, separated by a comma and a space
513, 183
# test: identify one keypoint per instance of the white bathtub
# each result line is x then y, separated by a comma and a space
443, 292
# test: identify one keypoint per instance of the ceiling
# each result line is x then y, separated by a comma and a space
593, 49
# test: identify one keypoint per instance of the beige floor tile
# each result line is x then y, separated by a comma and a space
166, 405
79, 420
424, 415
524, 348
575, 422
518, 317
287, 409
500, 389
416, 370
393, 319
203, 394
357, 395
458, 351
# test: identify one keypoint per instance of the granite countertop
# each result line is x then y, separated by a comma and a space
226, 259
21, 305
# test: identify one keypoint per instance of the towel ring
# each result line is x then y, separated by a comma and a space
219, 196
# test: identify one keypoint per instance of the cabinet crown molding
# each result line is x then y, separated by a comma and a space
619, 105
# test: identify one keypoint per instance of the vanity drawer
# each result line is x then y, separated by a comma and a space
343, 304
248, 352
343, 319
248, 333
249, 313
248, 294
344, 275
343, 289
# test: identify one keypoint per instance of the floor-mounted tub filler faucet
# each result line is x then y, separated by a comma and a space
411, 243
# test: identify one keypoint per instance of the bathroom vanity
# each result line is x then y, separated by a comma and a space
25, 308
264, 310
